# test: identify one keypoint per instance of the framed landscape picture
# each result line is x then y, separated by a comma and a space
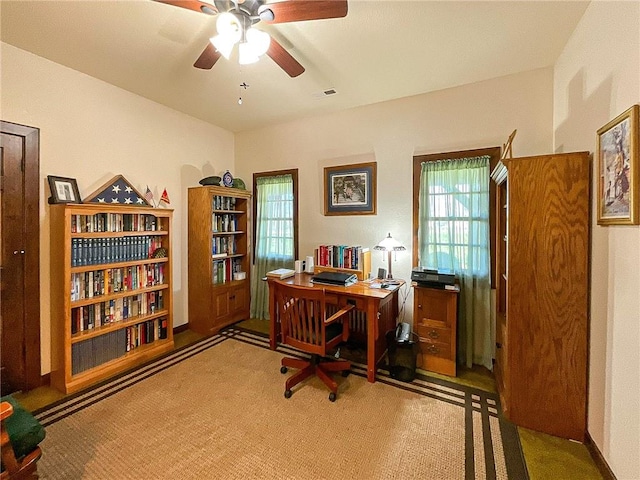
618, 176
350, 189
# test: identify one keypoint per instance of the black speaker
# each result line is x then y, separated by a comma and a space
382, 273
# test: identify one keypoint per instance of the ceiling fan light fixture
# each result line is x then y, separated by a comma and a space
258, 40
229, 33
266, 14
208, 10
256, 44
224, 45
246, 54
228, 24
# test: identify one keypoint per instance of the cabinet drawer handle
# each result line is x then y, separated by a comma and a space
433, 349
498, 345
433, 334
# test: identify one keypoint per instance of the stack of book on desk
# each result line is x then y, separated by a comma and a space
281, 273
335, 278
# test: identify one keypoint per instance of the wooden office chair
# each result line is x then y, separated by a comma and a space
19, 438
304, 326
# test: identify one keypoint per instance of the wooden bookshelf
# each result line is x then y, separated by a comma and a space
111, 292
362, 271
218, 248
542, 291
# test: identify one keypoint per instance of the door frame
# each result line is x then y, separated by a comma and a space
31, 150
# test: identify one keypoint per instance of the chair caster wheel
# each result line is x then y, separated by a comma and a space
345, 373
287, 393
283, 369
332, 397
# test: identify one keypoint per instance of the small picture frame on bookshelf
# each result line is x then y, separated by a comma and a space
63, 190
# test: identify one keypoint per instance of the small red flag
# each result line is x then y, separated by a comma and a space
165, 197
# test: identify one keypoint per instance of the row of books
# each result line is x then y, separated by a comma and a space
225, 222
340, 256
96, 351
114, 222
95, 251
113, 280
223, 203
223, 270
88, 317
221, 246
146, 332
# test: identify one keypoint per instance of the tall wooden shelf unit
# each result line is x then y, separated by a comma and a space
218, 247
542, 270
111, 298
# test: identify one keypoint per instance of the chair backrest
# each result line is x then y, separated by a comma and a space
302, 315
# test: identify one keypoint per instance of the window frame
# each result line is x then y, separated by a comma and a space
494, 154
294, 175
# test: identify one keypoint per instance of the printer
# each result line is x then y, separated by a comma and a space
432, 278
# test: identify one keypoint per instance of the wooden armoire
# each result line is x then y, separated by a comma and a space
542, 279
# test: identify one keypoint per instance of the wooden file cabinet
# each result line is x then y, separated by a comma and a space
435, 316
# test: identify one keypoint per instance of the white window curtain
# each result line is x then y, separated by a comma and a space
274, 236
453, 234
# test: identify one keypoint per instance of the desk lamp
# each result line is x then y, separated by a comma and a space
389, 245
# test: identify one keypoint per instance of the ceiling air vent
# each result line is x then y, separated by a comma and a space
326, 93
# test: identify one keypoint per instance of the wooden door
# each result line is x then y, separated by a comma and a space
19, 256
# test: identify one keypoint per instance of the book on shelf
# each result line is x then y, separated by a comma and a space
281, 273
340, 256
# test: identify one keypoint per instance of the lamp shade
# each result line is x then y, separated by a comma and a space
246, 54
229, 33
257, 43
389, 244
258, 40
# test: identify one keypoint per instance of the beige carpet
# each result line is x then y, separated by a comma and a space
217, 411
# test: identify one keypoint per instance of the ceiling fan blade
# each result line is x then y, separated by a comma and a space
207, 58
300, 10
284, 59
206, 6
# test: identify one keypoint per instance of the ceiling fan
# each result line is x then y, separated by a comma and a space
237, 17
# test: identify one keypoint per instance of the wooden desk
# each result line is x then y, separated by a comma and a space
375, 313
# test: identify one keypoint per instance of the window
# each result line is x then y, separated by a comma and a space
443, 254
454, 216
275, 231
453, 225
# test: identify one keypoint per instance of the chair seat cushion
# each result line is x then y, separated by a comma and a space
25, 432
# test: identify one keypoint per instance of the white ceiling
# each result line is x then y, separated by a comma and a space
382, 50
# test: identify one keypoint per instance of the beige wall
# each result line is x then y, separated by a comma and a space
596, 78
92, 131
391, 133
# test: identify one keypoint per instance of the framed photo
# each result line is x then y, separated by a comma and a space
618, 176
350, 189
63, 190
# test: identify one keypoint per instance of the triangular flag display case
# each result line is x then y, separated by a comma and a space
118, 191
